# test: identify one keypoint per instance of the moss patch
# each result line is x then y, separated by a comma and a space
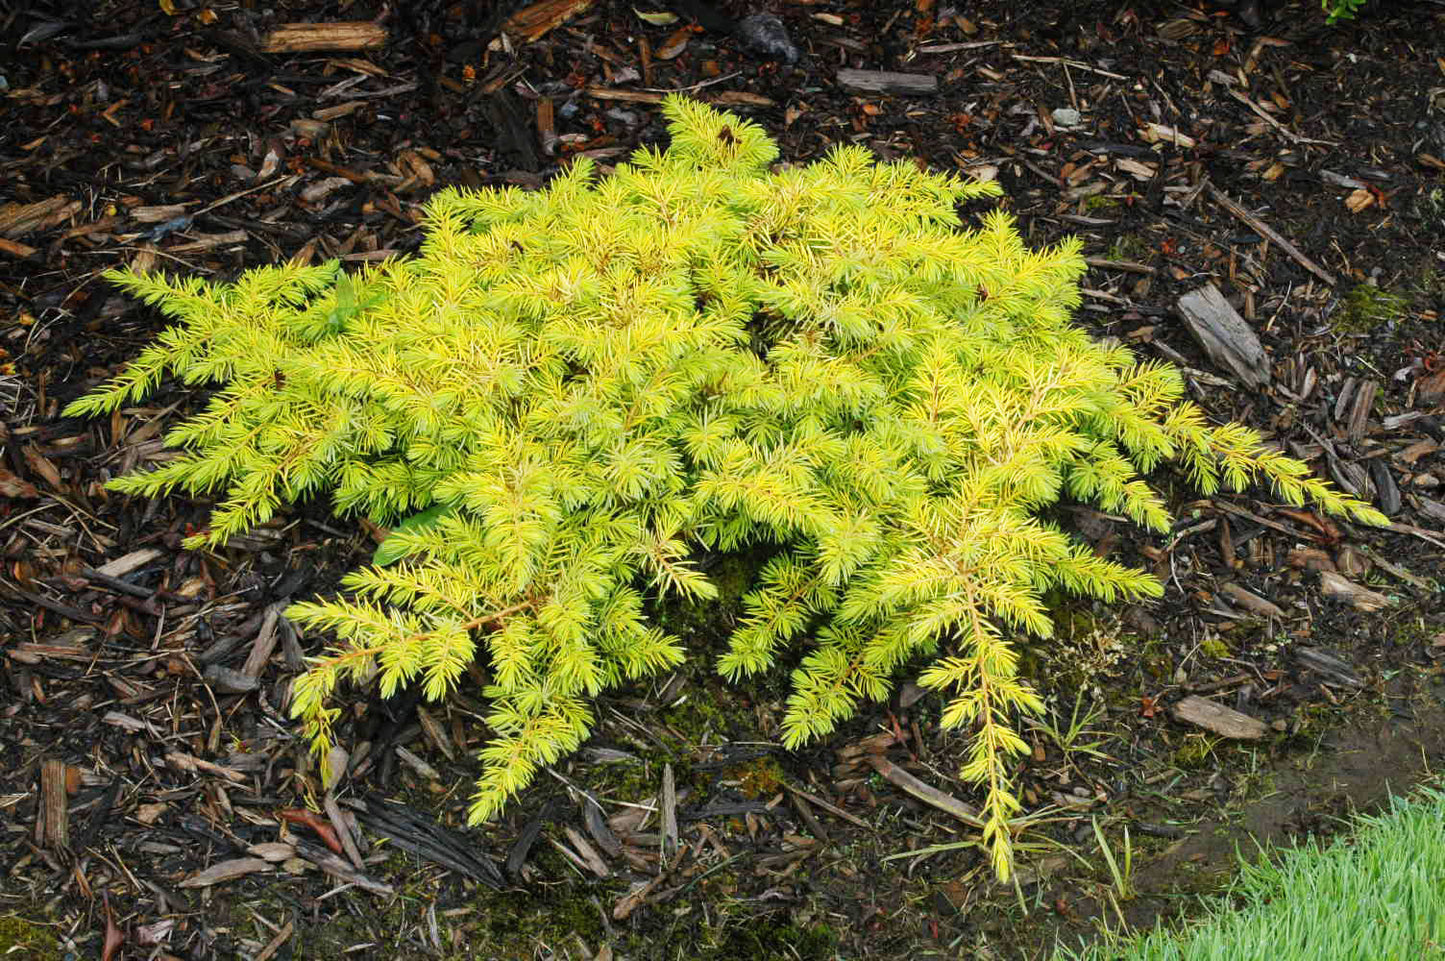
25, 939
1366, 307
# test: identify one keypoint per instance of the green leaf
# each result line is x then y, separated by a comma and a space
394, 548
660, 19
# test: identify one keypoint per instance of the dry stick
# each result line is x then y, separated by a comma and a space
1076, 64
1124, 265
929, 795
1277, 125
832, 809
313, 37
1261, 227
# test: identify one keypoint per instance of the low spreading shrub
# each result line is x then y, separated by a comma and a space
568, 393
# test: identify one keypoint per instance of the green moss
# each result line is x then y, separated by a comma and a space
1214, 647
1195, 752
25, 939
759, 778
765, 938
1129, 247
1367, 307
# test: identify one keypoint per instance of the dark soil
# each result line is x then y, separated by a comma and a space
143, 736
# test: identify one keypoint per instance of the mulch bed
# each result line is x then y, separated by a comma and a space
1262, 207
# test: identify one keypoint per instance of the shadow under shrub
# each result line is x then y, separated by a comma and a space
568, 392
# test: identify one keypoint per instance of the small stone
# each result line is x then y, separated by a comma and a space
1067, 117
765, 34
227, 680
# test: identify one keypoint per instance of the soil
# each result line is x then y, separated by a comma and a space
143, 738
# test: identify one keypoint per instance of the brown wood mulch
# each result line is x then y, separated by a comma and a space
1235, 188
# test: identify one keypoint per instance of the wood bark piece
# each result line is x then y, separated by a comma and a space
17, 220
669, 811
1224, 335
338, 868
16, 249
343, 830
887, 82
536, 20
274, 945
1263, 229
1330, 666
313, 37
1362, 402
591, 859
423, 836
265, 643
131, 562
55, 812
1224, 721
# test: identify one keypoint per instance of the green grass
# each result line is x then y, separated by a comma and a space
1376, 894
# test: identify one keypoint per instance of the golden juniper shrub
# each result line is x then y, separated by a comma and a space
584, 385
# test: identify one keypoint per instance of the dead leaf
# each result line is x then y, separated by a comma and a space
673, 45
148, 813
1359, 200
656, 18
41, 465
149, 935
1431, 387
225, 871
272, 850
114, 936
13, 486
315, 822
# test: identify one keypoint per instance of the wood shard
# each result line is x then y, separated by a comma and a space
17, 220
536, 20
1224, 721
313, 37
1334, 669
1343, 589
55, 810
669, 810
1225, 337
1250, 601
887, 82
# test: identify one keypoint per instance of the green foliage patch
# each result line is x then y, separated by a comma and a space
572, 391
1368, 895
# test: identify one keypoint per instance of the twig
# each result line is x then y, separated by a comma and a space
929, 795
832, 809
1076, 64
1264, 114
1124, 265
1262, 228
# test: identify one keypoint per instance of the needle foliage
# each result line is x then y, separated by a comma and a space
567, 393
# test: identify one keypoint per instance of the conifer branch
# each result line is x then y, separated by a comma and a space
568, 390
